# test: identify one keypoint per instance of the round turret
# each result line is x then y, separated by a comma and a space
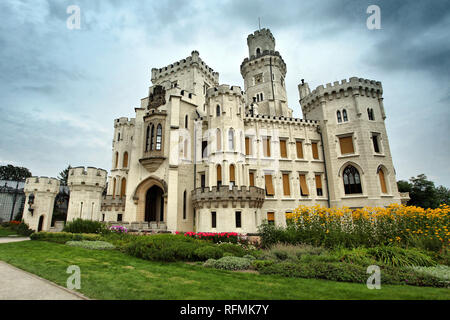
260, 41
90, 176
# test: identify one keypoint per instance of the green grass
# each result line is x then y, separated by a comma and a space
114, 275
6, 232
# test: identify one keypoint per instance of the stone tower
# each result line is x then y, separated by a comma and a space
40, 195
264, 73
86, 187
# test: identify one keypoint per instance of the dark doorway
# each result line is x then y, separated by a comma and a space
154, 204
41, 223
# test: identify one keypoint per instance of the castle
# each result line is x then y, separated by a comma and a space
211, 157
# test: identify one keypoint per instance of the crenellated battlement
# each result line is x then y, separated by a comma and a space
256, 61
260, 33
90, 176
225, 89
193, 60
41, 184
344, 88
124, 121
279, 119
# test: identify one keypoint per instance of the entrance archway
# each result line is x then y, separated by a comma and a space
154, 204
41, 223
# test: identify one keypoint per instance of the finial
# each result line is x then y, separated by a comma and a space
259, 23
303, 81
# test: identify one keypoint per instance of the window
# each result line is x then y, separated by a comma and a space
283, 149
315, 150
238, 219
266, 146
339, 117
344, 115
152, 135
202, 180
186, 121
119, 217
118, 137
346, 144
286, 187
258, 51
123, 187
269, 186
231, 139
219, 175
376, 147
103, 217
251, 177
232, 175
248, 147
213, 219
219, 140
174, 84
204, 148
303, 186
370, 114
147, 139
319, 185
352, 181
184, 204
271, 218
125, 160
117, 160
217, 111
158, 137
382, 180
299, 146
114, 188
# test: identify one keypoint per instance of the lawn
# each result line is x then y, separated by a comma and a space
6, 232
114, 275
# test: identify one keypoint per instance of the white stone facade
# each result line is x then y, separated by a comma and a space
208, 157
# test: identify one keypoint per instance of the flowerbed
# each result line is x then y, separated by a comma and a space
216, 237
332, 227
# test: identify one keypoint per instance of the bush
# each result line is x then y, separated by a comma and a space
23, 229
258, 264
92, 245
63, 237
217, 237
208, 252
399, 257
231, 263
209, 263
249, 257
234, 249
84, 226
440, 271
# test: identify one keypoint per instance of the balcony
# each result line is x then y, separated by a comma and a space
253, 197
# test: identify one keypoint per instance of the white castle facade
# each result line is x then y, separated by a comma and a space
211, 157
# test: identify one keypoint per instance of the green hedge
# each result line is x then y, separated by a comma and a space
85, 226
63, 237
229, 263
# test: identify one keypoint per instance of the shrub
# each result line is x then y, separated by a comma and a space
63, 237
118, 229
231, 263
249, 257
440, 271
208, 252
399, 257
258, 264
216, 237
92, 245
84, 226
209, 263
23, 229
234, 249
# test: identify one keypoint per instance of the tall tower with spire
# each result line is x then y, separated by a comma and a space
264, 73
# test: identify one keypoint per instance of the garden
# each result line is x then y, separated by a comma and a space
330, 246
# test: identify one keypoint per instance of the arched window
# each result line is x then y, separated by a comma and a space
382, 178
232, 175
217, 111
158, 137
258, 51
344, 115
125, 160
147, 139
186, 121
231, 139
184, 204
352, 180
219, 175
123, 187
219, 140
152, 136
117, 160
114, 188
339, 117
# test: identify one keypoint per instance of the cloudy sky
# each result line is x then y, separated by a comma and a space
61, 89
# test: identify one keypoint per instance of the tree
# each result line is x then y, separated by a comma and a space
64, 175
423, 192
10, 172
